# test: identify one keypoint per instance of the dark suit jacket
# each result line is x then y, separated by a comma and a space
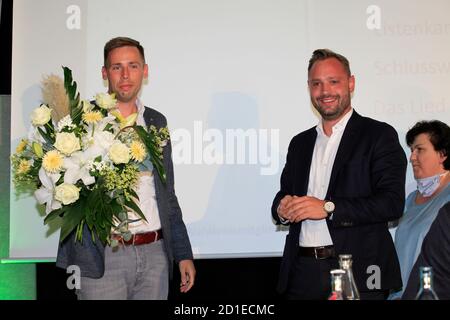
435, 253
89, 256
367, 185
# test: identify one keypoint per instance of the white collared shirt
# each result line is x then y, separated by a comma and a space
146, 193
315, 233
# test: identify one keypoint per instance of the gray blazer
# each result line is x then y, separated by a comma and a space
90, 256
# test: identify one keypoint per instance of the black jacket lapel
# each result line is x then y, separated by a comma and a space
304, 156
346, 147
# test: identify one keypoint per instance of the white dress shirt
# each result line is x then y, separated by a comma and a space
315, 233
146, 193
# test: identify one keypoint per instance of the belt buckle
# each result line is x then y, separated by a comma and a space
315, 253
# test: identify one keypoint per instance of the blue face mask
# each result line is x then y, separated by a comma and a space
427, 186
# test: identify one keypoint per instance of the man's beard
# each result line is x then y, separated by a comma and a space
125, 98
332, 113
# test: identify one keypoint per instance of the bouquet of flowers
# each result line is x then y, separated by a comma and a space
83, 159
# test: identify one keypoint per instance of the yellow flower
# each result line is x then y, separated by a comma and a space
24, 166
92, 116
52, 161
124, 122
21, 147
138, 151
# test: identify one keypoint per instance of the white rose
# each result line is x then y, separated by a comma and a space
41, 115
119, 153
106, 101
67, 193
67, 143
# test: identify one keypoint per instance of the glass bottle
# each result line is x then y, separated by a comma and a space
350, 290
426, 291
336, 284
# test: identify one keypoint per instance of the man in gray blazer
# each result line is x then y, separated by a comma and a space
139, 268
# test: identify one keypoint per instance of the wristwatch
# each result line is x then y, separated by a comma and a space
329, 208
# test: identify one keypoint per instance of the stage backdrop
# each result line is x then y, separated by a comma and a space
231, 78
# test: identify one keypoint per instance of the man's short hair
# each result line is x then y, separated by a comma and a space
323, 54
119, 42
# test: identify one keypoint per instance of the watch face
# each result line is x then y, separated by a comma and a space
329, 206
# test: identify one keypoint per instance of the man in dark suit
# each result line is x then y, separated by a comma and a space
343, 181
138, 268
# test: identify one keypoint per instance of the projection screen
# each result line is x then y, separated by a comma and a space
231, 78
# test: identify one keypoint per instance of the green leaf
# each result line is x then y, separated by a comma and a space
108, 127
55, 213
152, 148
131, 204
116, 208
74, 98
100, 213
123, 216
127, 236
133, 193
47, 137
79, 232
73, 216
114, 243
120, 199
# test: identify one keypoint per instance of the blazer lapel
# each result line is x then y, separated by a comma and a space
346, 146
304, 157
148, 118
159, 188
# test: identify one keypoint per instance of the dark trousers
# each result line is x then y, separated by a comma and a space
310, 279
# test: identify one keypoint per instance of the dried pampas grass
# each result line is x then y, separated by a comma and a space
55, 97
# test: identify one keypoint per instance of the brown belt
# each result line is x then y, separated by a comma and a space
323, 252
140, 238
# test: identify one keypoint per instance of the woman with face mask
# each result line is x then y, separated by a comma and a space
429, 142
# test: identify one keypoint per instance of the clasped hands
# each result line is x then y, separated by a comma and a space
296, 209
